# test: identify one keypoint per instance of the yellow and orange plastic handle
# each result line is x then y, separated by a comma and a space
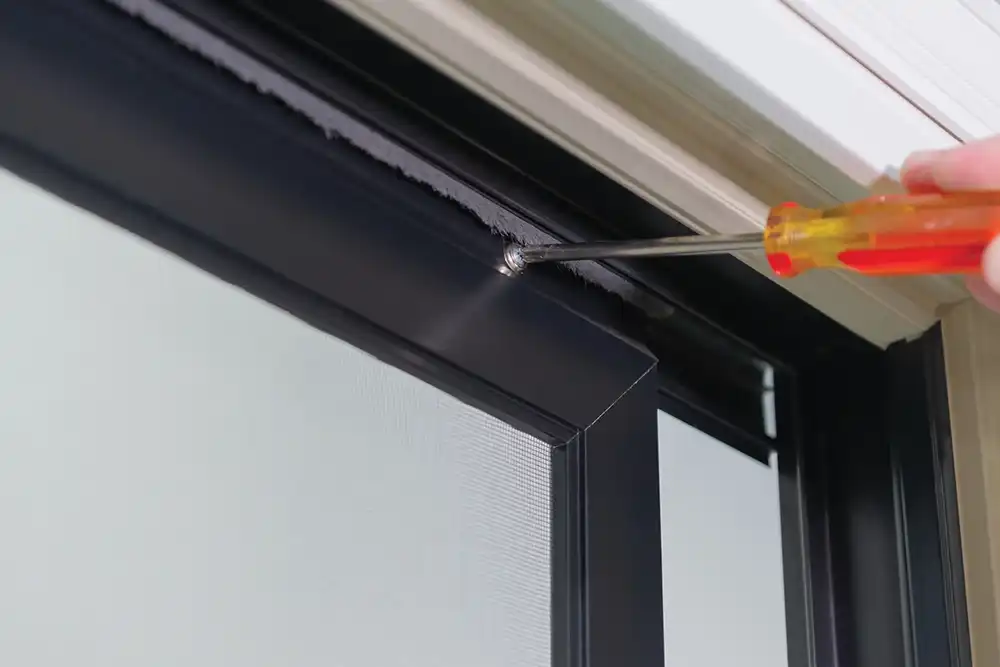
886, 235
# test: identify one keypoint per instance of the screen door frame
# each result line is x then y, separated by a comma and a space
122, 115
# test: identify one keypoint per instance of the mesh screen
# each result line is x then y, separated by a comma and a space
193, 477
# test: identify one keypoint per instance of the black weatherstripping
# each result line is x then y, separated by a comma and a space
109, 113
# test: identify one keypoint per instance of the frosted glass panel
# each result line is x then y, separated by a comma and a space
189, 476
723, 586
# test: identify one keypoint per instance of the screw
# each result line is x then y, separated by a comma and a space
513, 258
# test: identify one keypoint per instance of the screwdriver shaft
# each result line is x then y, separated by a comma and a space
518, 256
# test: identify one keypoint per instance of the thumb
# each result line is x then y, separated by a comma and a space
974, 166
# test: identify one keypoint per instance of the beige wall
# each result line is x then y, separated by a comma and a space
972, 356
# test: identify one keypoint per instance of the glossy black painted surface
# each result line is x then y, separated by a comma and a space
927, 501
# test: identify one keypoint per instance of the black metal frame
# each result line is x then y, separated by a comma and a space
109, 113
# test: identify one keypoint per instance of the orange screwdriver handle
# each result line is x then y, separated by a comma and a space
887, 236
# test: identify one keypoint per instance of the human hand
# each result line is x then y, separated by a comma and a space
974, 166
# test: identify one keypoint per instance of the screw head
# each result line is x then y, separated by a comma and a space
513, 258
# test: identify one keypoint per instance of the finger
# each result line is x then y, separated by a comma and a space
974, 166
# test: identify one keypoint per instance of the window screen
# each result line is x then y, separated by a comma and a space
192, 477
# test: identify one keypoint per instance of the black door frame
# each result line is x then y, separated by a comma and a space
107, 112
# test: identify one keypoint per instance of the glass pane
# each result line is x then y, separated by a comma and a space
723, 586
192, 477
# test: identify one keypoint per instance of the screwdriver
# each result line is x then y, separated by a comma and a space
888, 235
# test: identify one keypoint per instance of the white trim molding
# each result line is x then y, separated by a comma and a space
795, 75
710, 120
940, 55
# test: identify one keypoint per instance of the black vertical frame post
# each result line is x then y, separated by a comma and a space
597, 619
927, 509
624, 613
804, 605
568, 619
887, 584
859, 616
